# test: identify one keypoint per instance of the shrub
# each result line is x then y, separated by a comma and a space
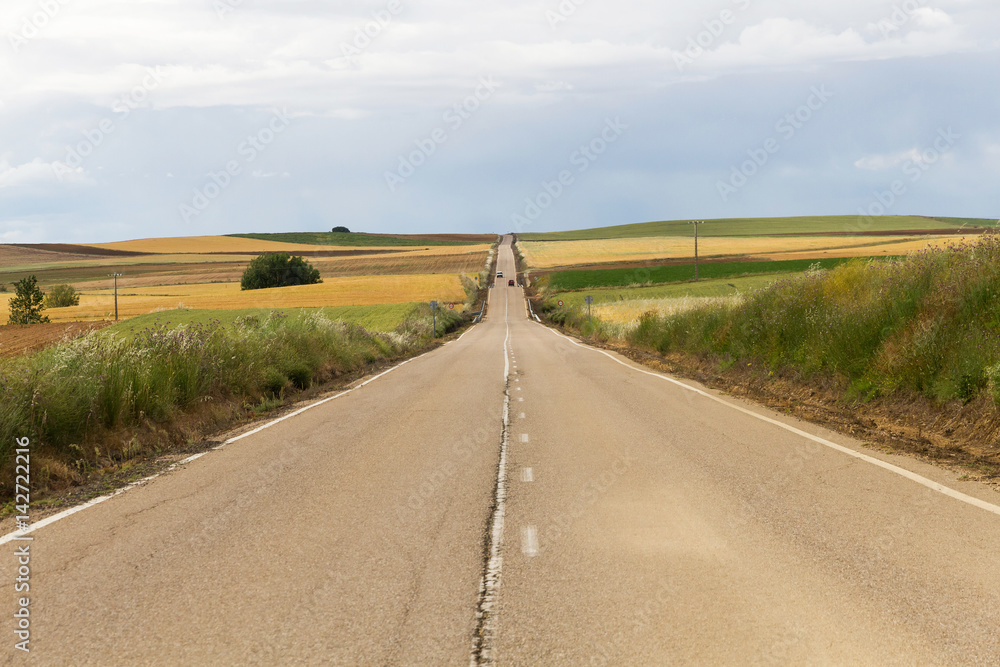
340, 230
278, 270
28, 302
61, 296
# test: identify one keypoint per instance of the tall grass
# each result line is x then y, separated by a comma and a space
929, 322
107, 381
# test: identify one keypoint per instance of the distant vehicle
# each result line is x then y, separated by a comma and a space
499, 274
510, 283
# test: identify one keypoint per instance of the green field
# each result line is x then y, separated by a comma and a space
764, 227
577, 280
347, 239
716, 287
373, 318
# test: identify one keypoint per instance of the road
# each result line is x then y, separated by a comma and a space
516, 498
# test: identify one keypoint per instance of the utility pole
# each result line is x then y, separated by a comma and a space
115, 276
696, 223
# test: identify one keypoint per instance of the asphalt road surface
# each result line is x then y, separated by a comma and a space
515, 498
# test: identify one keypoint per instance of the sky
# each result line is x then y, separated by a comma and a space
124, 119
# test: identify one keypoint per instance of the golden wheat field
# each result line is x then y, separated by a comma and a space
550, 254
346, 291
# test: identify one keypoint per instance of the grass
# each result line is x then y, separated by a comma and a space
576, 280
928, 323
381, 317
761, 227
87, 403
346, 240
717, 287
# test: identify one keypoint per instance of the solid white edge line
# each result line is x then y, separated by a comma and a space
9, 537
903, 472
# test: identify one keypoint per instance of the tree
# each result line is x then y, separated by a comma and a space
61, 296
278, 270
26, 306
340, 230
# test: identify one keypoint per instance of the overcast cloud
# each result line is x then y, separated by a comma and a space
140, 118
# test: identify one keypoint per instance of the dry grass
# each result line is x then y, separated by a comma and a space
900, 247
346, 291
627, 313
550, 254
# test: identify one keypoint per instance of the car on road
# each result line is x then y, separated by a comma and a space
510, 283
499, 274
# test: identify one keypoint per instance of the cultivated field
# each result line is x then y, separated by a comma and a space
552, 254
203, 273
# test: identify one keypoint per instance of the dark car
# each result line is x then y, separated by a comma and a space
510, 283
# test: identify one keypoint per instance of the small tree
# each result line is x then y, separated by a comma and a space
61, 296
340, 230
278, 270
26, 306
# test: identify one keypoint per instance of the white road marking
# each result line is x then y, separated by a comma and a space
527, 475
529, 541
519, 389
903, 472
521, 415
520, 399
524, 437
489, 586
173, 466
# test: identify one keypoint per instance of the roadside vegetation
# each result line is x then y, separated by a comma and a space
115, 394
927, 323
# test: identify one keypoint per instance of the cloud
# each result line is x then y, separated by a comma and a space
883, 161
35, 172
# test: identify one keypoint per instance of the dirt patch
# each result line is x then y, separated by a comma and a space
77, 249
962, 437
458, 238
16, 340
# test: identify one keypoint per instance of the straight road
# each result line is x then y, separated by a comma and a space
619, 518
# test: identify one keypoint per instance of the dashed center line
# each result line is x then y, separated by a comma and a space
529, 541
521, 416
527, 475
524, 437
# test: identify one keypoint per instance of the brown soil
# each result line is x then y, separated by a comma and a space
16, 340
461, 238
77, 249
651, 264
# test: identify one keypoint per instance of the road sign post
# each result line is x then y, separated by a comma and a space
434, 331
589, 300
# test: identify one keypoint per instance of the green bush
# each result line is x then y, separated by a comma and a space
278, 270
60, 296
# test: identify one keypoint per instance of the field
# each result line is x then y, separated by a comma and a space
552, 254
383, 240
834, 224
670, 273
